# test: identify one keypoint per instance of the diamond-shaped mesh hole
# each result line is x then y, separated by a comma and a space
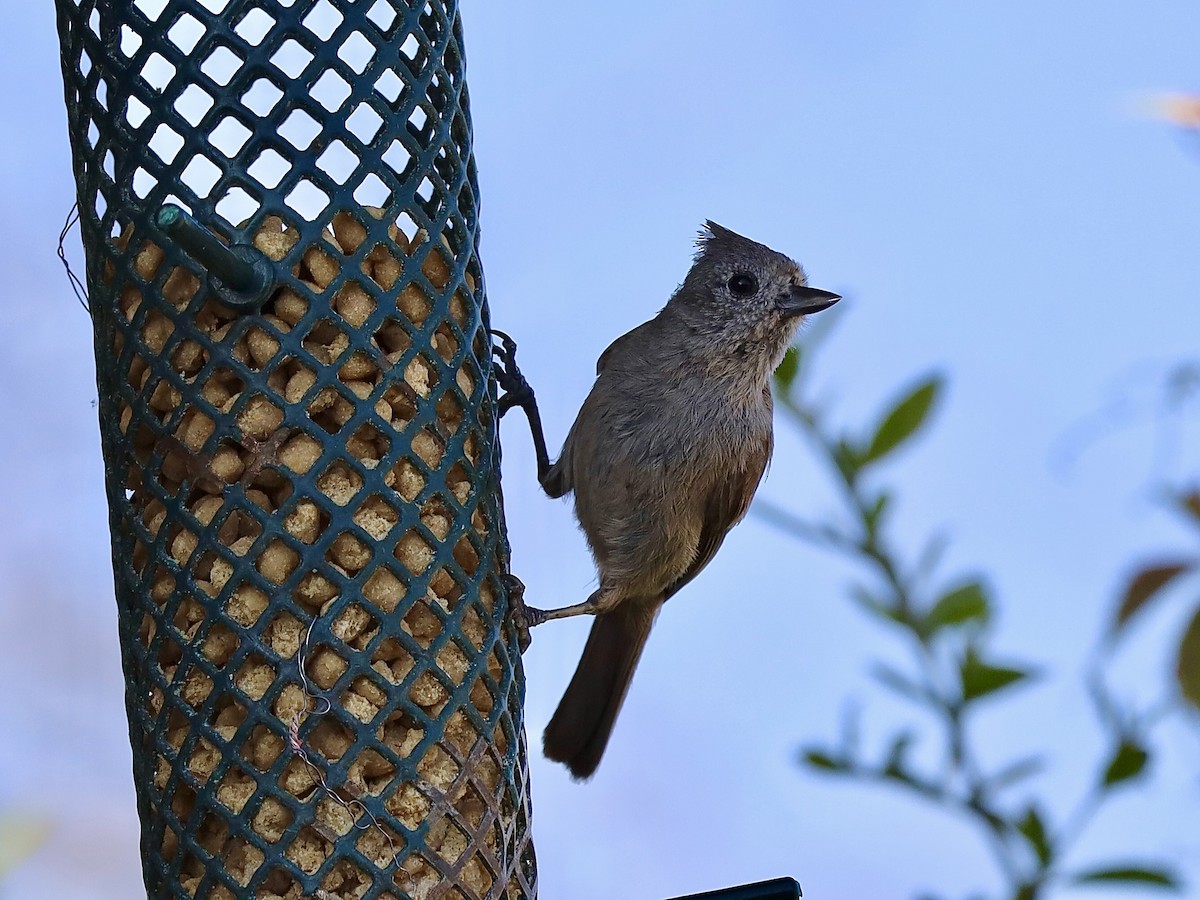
242, 859
338, 161
283, 635
157, 72
255, 677
291, 58
330, 90
340, 483
354, 303
389, 85
235, 789
414, 552
236, 205
357, 52
445, 585
325, 667
397, 155
201, 174
277, 561
430, 446
406, 479
385, 589
189, 357
261, 97
299, 129
382, 14
269, 168
309, 850
272, 820
368, 444
221, 65
220, 644
331, 739
308, 199
306, 522
392, 660
393, 338
323, 19
350, 554
364, 123
363, 700
314, 591
203, 759
193, 105
355, 625
254, 26
229, 136
136, 112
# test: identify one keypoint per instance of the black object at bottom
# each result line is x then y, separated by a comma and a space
775, 889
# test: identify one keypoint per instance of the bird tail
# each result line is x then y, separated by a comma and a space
579, 729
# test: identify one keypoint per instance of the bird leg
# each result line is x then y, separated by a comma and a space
518, 392
526, 617
600, 601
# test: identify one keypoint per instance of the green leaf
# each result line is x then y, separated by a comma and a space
1034, 831
788, 367
1130, 875
848, 460
1127, 762
967, 603
1187, 669
904, 419
1145, 584
818, 759
980, 679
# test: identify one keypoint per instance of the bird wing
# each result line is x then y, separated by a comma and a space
558, 481
628, 341
726, 506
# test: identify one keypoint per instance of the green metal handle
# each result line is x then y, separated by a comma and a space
239, 275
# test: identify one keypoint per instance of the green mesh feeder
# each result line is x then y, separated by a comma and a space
279, 213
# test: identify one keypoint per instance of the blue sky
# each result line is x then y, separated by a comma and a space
968, 175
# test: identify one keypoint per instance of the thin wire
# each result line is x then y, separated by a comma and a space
76, 285
356, 808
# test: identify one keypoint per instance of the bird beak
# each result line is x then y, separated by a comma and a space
804, 300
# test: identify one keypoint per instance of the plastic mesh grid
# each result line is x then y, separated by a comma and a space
324, 698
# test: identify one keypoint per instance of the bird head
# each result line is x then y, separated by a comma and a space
746, 296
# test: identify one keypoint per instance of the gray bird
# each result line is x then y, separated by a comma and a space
664, 458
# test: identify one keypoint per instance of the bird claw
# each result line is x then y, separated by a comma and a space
517, 391
523, 617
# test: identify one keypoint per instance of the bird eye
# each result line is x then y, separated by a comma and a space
742, 285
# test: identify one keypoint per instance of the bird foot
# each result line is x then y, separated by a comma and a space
523, 617
517, 391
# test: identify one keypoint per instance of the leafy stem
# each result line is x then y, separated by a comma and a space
947, 631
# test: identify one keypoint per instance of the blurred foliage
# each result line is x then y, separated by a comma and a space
1152, 580
21, 834
955, 673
